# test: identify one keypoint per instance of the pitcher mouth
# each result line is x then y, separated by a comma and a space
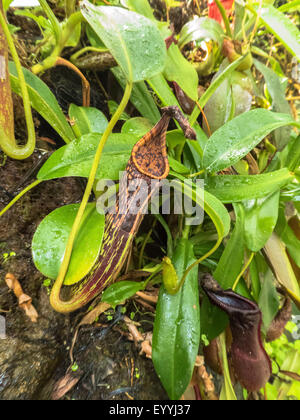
227, 300
149, 155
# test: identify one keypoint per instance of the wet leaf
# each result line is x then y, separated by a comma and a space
288, 236
235, 188
76, 158
260, 220
276, 253
181, 71
268, 301
282, 27
140, 6
117, 293
134, 41
213, 87
276, 88
50, 240
137, 126
87, 120
232, 98
238, 137
293, 157
176, 332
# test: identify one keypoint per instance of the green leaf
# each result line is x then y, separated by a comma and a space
291, 6
87, 120
76, 158
226, 274
41, 21
238, 137
117, 293
140, 6
50, 241
6, 4
133, 40
221, 100
178, 69
233, 97
93, 38
43, 101
176, 333
276, 253
268, 301
235, 188
288, 237
282, 27
75, 35
276, 88
137, 126
174, 138
293, 157
239, 11
260, 220
178, 167
212, 88
140, 97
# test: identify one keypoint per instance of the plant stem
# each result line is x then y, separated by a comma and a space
186, 231
256, 23
84, 50
86, 95
53, 20
196, 174
225, 18
243, 271
70, 7
23, 192
10, 147
55, 300
168, 232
